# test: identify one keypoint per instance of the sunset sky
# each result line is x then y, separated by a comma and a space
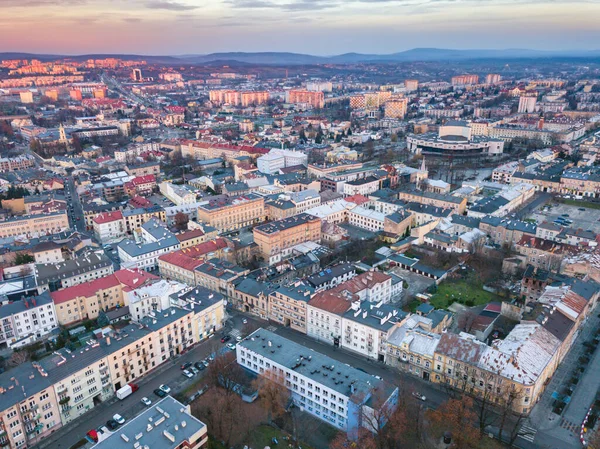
321, 27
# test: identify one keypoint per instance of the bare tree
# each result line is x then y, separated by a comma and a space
272, 392
18, 358
225, 373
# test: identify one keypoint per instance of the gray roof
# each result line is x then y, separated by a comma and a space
134, 249
298, 292
27, 303
199, 298
286, 223
320, 368
166, 415
328, 274
64, 363
89, 261
376, 316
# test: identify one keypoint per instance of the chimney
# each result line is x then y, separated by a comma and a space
107, 341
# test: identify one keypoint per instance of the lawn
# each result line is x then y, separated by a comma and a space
580, 203
464, 292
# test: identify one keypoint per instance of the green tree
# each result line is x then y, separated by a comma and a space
23, 258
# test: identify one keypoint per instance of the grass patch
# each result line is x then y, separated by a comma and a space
412, 306
464, 292
581, 203
263, 436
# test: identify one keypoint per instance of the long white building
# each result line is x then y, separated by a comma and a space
25, 321
326, 388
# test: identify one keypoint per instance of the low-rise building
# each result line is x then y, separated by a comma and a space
287, 305
26, 321
109, 226
231, 213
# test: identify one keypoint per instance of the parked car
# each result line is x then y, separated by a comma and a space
165, 388
193, 370
231, 346
419, 396
186, 365
238, 338
187, 374
146, 401
245, 321
225, 338
158, 392
199, 366
112, 424
205, 363
118, 418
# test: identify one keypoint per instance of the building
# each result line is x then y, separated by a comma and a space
396, 108
492, 78
271, 163
26, 321
332, 276
233, 212
275, 240
454, 139
175, 426
306, 97
287, 305
89, 266
150, 298
362, 186
86, 301
109, 226
219, 276
252, 296
136, 75
34, 225
208, 307
366, 327
156, 241
368, 219
411, 85
527, 104
324, 316
178, 194
332, 391
465, 80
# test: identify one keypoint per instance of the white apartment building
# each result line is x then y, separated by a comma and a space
368, 219
366, 327
150, 298
178, 194
25, 321
109, 226
362, 186
327, 389
145, 255
272, 162
305, 200
324, 317
334, 212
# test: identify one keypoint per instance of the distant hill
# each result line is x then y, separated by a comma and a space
287, 58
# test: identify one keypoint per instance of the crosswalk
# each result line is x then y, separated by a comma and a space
271, 328
527, 433
235, 333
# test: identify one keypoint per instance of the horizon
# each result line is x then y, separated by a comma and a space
314, 27
329, 55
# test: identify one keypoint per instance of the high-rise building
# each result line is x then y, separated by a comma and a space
465, 80
315, 99
527, 104
492, 78
136, 75
396, 107
411, 85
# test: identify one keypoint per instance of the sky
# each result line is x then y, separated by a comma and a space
319, 27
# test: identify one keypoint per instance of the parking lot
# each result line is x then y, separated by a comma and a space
584, 219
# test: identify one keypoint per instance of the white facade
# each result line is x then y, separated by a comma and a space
305, 200
145, 256
23, 322
527, 104
107, 231
366, 219
276, 159
364, 189
323, 325
151, 298
177, 194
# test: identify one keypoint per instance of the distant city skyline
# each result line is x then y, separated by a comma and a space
318, 27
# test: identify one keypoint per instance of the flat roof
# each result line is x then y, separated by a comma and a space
164, 425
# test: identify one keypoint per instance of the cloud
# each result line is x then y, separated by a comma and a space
294, 5
169, 5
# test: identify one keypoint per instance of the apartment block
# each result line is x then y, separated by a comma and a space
287, 305
234, 212
276, 239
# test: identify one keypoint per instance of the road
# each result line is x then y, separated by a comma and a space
76, 219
